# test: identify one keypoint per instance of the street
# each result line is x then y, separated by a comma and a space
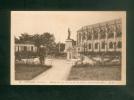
59, 72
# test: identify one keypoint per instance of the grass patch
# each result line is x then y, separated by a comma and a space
100, 73
29, 71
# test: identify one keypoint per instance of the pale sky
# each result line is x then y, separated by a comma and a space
58, 22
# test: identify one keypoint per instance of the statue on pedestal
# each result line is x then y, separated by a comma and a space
69, 33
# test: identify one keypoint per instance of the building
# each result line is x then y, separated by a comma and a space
26, 47
105, 37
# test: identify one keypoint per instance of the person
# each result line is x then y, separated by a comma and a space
41, 55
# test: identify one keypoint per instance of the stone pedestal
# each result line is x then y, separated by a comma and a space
68, 48
69, 55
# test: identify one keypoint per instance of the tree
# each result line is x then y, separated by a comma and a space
37, 42
47, 41
60, 47
25, 37
17, 40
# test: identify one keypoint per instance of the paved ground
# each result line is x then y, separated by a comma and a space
59, 72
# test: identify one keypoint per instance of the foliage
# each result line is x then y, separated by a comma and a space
24, 55
61, 45
45, 40
25, 37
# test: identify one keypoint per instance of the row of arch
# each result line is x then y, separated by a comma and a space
99, 32
102, 45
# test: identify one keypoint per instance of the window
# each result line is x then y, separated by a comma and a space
119, 44
25, 48
118, 34
96, 45
95, 35
21, 48
103, 45
31, 48
110, 45
89, 46
110, 35
18, 48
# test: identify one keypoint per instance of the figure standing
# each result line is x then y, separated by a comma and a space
69, 33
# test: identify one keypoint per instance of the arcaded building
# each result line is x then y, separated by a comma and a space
105, 37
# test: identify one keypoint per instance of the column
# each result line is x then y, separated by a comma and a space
99, 43
114, 36
106, 32
92, 39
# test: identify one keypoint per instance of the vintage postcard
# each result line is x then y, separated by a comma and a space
68, 48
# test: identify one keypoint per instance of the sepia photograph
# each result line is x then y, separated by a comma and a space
68, 48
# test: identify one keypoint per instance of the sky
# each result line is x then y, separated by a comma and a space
58, 22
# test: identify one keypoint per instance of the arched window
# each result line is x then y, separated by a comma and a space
119, 44
111, 45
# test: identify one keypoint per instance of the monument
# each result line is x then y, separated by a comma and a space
69, 46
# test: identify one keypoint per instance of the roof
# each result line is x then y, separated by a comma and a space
26, 42
100, 24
